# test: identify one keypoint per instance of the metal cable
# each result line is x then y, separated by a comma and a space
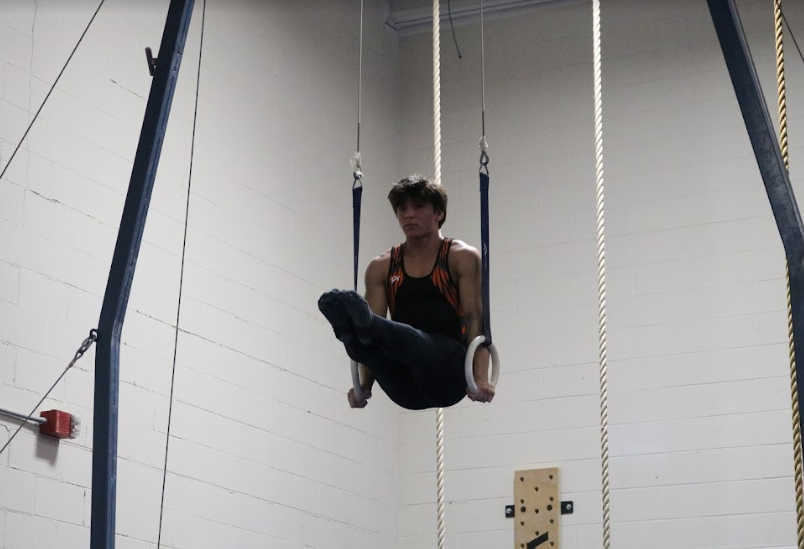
357, 195
451, 24
437, 90
360, 83
181, 276
778, 7
85, 345
484, 146
357, 168
53, 87
482, 76
797, 458
601, 272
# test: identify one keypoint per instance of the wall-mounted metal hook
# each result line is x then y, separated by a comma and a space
149, 56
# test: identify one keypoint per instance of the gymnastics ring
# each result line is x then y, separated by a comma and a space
469, 363
356, 380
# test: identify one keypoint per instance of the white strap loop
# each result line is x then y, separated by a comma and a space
357, 169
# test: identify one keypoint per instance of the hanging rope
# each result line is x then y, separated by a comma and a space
797, 459
50, 91
437, 91
437, 177
357, 170
601, 273
181, 275
484, 195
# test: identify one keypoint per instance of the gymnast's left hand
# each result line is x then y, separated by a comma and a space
485, 391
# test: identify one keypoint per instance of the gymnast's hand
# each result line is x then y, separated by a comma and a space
355, 401
485, 391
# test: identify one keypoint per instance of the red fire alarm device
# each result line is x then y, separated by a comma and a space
60, 424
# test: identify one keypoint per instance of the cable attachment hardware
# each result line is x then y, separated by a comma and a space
357, 170
151, 60
484, 156
71, 429
85, 345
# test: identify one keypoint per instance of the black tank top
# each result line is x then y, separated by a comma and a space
430, 303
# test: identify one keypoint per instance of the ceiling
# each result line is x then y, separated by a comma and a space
404, 5
410, 16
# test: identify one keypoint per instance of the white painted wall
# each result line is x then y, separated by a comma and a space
264, 450
699, 407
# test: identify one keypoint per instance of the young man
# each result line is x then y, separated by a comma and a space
432, 287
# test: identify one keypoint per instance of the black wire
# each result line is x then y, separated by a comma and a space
360, 80
53, 87
790, 30
181, 275
455, 38
93, 336
38, 404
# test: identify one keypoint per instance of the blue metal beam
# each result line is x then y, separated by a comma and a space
761, 129
121, 273
764, 141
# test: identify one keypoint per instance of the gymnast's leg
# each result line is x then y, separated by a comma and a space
435, 362
393, 376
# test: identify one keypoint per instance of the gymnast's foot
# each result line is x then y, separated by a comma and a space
360, 314
332, 307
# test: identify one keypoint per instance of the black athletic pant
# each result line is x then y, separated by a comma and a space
416, 370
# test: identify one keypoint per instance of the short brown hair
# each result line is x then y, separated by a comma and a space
420, 189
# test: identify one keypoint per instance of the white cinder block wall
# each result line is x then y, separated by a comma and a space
699, 407
264, 451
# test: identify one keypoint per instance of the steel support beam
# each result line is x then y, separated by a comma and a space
121, 273
764, 141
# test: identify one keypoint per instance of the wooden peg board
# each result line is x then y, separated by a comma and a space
538, 509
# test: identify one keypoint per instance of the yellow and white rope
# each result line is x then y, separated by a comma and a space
782, 95
601, 271
437, 179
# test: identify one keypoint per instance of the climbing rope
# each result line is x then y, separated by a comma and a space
601, 273
437, 177
782, 92
437, 91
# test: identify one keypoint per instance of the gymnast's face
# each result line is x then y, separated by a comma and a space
418, 218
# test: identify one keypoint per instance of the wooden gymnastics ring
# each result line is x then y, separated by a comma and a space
470, 359
356, 380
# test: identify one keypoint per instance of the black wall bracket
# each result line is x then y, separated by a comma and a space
151, 60
567, 508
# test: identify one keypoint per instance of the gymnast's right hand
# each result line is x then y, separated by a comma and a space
359, 402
